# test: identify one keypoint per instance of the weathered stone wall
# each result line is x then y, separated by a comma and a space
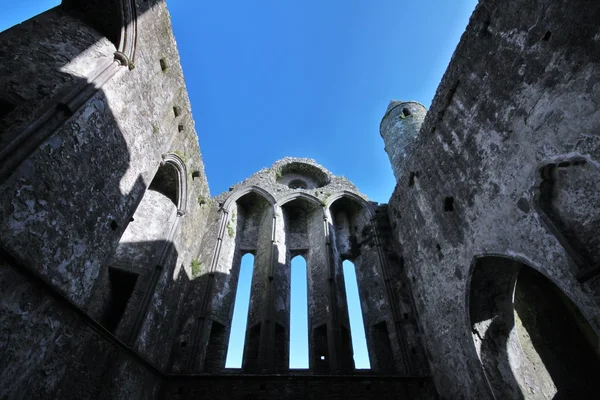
300, 387
69, 201
406, 338
521, 92
60, 218
243, 220
506, 165
262, 219
399, 129
44, 58
320, 297
49, 349
352, 234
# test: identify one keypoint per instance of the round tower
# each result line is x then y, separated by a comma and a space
399, 129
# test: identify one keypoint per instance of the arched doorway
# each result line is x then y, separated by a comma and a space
531, 339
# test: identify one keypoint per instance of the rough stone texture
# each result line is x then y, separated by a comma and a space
50, 350
399, 129
44, 56
66, 207
568, 197
324, 220
118, 271
299, 387
521, 92
55, 219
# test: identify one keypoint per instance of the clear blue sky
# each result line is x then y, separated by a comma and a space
299, 315
269, 79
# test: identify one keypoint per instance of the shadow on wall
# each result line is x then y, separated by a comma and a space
531, 339
70, 187
568, 199
52, 349
67, 174
58, 60
201, 342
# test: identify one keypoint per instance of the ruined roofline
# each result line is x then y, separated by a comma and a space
321, 183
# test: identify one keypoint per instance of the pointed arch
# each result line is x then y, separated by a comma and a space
355, 237
299, 195
244, 191
176, 162
351, 196
527, 334
117, 19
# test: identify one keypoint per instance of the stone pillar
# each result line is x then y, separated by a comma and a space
399, 129
266, 359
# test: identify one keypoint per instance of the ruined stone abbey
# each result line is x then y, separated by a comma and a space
118, 270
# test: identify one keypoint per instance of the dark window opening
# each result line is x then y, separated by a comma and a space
280, 347
297, 184
177, 111
383, 346
166, 181
547, 36
406, 112
163, 65
6, 108
347, 356
250, 363
449, 204
216, 348
411, 178
120, 288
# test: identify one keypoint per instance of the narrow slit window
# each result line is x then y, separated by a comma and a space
120, 288
357, 326
6, 107
299, 314
235, 348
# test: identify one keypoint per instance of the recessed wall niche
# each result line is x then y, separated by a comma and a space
298, 175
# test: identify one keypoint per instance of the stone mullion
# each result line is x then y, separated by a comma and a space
392, 301
266, 358
333, 328
200, 331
